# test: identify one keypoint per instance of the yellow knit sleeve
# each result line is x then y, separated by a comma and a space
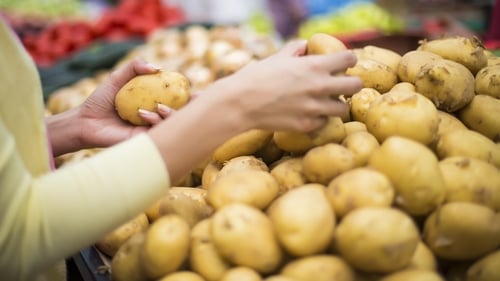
48, 218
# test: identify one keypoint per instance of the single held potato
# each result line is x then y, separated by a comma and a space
111, 242
165, 247
319, 268
488, 81
303, 220
448, 84
403, 113
360, 187
466, 51
471, 180
481, 115
412, 62
377, 239
462, 231
244, 236
147, 91
414, 172
322, 43
203, 257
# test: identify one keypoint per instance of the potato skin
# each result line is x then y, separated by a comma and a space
423, 259
462, 231
413, 275
245, 143
374, 74
289, 174
187, 202
111, 242
241, 273
303, 220
481, 115
471, 180
420, 191
412, 62
383, 55
126, 263
244, 236
146, 91
486, 268
182, 276
322, 43
360, 102
448, 84
488, 81
361, 144
319, 268
377, 239
323, 163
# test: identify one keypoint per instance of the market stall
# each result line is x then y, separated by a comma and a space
405, 186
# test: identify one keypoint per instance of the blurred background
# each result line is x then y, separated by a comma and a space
93, 35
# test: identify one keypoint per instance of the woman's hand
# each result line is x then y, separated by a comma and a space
101, 125
289, 91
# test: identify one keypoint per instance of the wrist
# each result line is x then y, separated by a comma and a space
64, 131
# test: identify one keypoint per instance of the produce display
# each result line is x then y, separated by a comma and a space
405, 187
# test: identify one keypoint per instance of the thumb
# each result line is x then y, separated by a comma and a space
123, 74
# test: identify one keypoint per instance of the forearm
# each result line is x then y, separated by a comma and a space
194, 132
64, 132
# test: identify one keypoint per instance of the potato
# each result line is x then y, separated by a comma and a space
493, 61
303, 220
323, 163
197, 40
413, 275
403, 113
403, 86
332, 131
486, 268
380, 54
197, 171
468, 143
352, 127
187, 202
166, 246
245, 143
318, 268
252, 187
242, 163
204, 258
146, 91
322, 43
471, 180
448, 84
466, 51
64, 99
217, 49
414, 172
199, 75
362, 145
182, 276
289, 174
231, 62
462, 231
374, 74
412, 62
481, 115
423, 259
241, 273
111, 242
293, 141
126, 263
448, 123
361, 187
360, 102
210, 174
488, 81
377, 239
153, 211
279, 278
244, 236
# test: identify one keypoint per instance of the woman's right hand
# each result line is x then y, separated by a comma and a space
289, 91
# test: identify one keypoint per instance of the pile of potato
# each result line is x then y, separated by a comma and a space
405, 187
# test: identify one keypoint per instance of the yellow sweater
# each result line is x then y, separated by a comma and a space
47, 215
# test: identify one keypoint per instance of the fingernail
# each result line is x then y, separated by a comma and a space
144, 112
154, 66
163, 108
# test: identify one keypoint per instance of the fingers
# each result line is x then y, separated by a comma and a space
333, 63
122, 75
154, 118
343, 85
293, 48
